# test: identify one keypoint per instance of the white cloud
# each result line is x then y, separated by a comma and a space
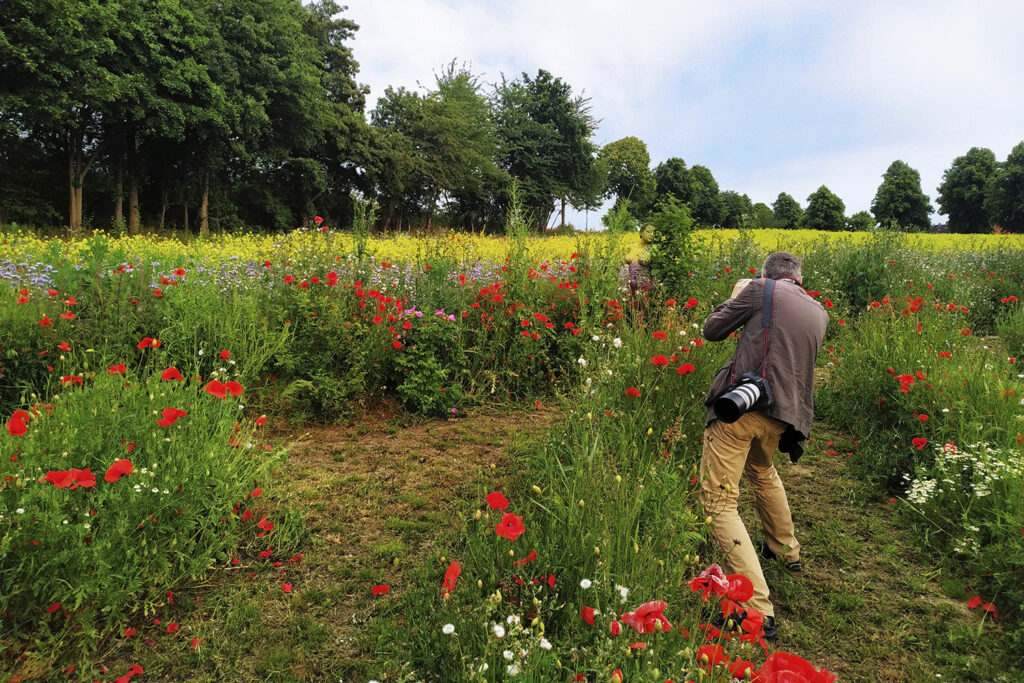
844, 88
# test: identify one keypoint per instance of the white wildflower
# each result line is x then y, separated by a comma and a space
499, 631
617, 343
585, 584
448, 629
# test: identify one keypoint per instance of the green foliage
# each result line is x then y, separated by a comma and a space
862, 221
705, 202
900, 202
432, 362
544, 139
106, 549
1004, 194
672, 178
629, 176
1010, 327
673, 255
762, 216
962, 191
825, 211
737, 211
788, 213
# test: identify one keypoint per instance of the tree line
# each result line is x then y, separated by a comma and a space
195, 114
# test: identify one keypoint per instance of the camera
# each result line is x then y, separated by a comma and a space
749, 392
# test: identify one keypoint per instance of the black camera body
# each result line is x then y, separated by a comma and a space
749, 392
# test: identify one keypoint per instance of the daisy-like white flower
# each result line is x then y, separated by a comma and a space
448, 629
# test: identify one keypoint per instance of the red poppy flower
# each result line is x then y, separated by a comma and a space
233, 388
740, 667
670, 302
194, 644
783, 667
59, 478
286, 586
16, 426
116, 369
659, 360
396, 344
84, 478
381, 589
129, 632
179, 272
117, 470
690, 303
496, 500
170, 416
171, 373
45, 322
615, 627
922, 417
587, 615
648, 617
261, 420
53, 608
63, 346
451, 575
828, 304
172, 627
216, 388
510, 527
225, 354
685, 368
318, 220
711, 655
974, 602
659, 335
528, 559
632, 392
71, 379
919, 443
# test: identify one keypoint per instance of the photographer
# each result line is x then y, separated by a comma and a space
761, 401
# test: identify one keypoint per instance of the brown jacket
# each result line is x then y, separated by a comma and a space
794, 339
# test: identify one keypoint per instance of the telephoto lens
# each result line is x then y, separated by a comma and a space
732, 404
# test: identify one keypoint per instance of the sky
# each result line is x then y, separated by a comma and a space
779, 96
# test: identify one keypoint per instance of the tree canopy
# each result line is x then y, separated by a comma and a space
1004, 199
962, 192
629, 174
900, 202
788, 213
825, 211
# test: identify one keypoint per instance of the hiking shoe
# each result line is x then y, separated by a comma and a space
769, 630
766, 553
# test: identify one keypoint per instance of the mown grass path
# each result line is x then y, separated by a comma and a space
378, 493
868, 605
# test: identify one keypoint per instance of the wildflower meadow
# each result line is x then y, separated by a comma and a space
152, 393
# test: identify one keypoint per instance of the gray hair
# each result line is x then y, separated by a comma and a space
782, 264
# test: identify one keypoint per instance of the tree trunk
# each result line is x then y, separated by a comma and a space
119, 194
133, 187
204, 208
163, 206
563, 212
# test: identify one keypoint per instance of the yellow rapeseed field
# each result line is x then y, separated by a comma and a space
466, 247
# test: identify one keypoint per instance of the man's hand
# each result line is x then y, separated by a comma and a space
738, 287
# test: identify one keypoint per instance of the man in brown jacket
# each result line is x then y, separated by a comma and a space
780, 346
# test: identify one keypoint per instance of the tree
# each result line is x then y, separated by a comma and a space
629, 173
672, 179
788, 214
900, 200
58, 80
544, 140
1004, 199
762, 216
825, 211
737, 210
705, 200
962, 192
862, 221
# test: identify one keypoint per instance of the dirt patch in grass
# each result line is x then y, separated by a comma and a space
869, 605
375, 494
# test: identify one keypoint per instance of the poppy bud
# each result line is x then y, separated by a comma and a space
511, 553
580, 503
590, 416
534, 622
618, 478
597, 551
479, 583
708, 520
728, 488
62, 356
650, 430
537, 489
477, 515
636, 548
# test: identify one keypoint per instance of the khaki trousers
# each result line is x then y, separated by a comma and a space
749, 445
